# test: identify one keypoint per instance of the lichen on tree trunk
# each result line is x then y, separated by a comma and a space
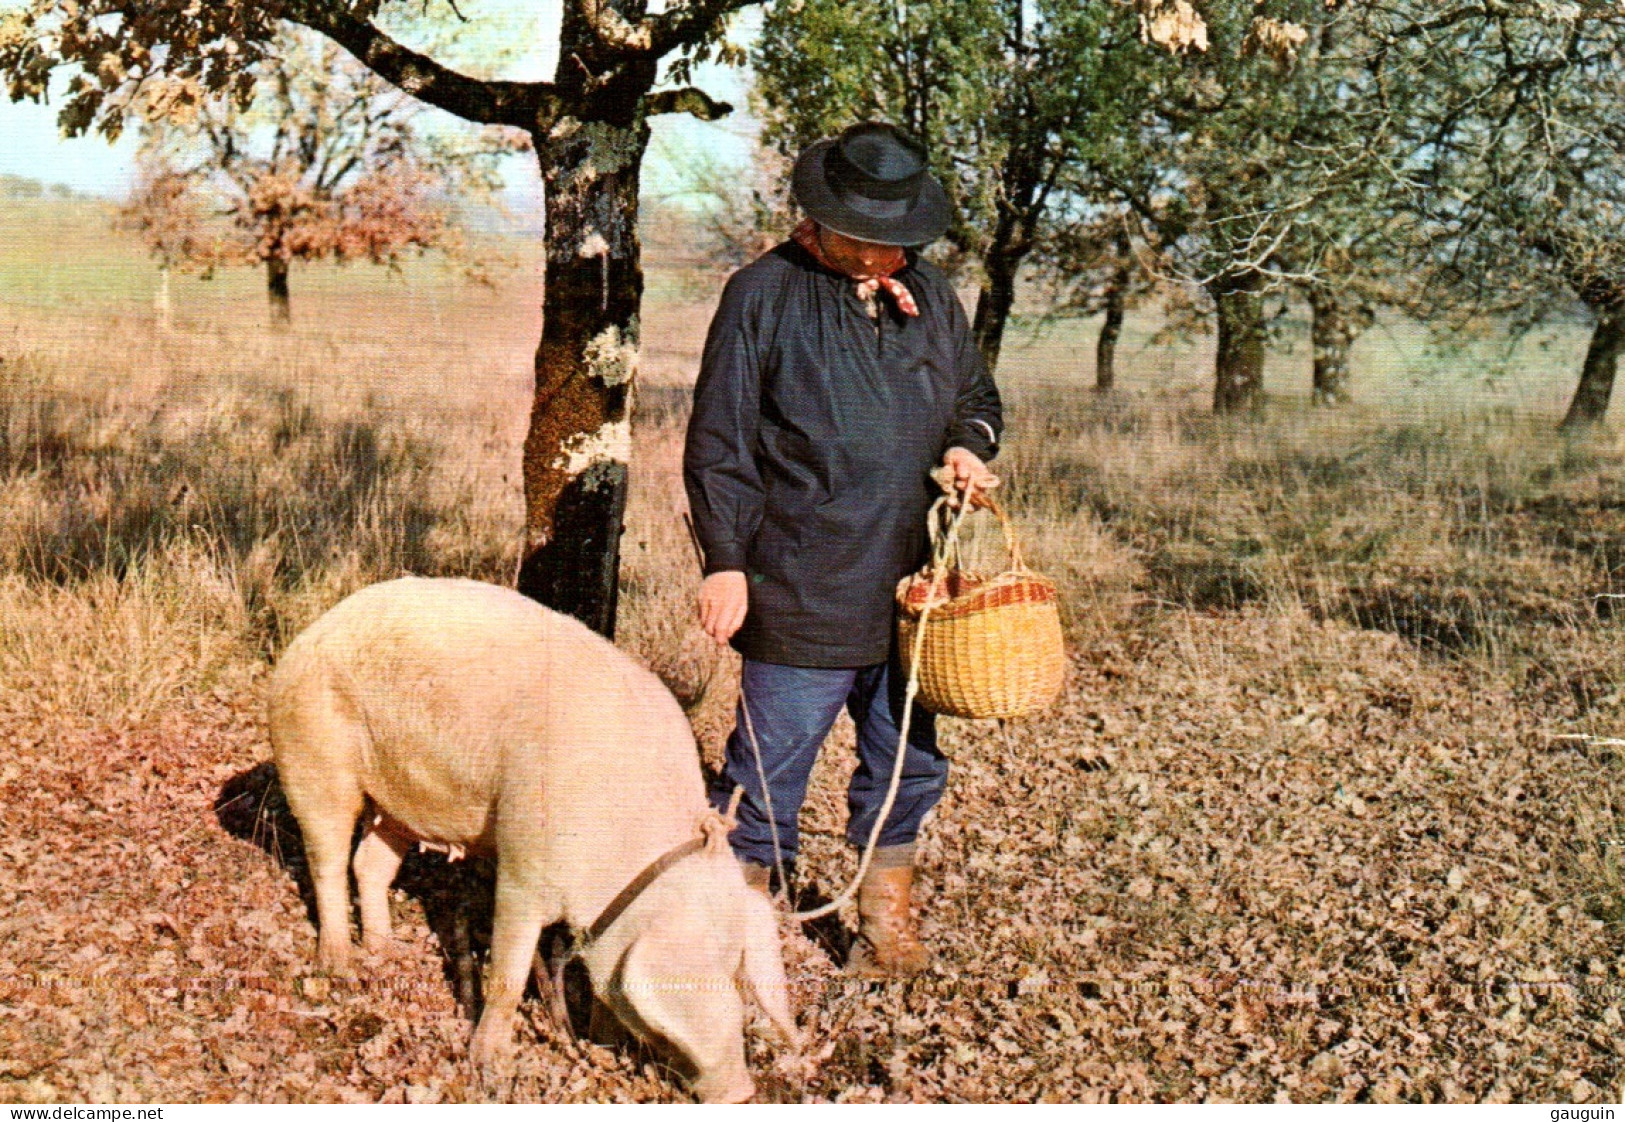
1591, 397
578, 449
1238, 365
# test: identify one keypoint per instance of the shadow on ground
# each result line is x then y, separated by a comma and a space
457, 900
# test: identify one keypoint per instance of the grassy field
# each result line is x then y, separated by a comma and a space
1332, 808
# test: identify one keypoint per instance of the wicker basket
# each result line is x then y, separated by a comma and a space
992, 646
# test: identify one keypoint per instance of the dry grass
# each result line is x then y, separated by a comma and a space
191, 505
1306, 825
1472, 534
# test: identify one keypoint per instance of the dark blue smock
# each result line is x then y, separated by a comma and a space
808, 455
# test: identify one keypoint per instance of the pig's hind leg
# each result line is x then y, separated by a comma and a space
377, 860
327, 846
317, 749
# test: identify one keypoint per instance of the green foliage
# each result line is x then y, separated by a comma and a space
999, 92
1247, 158
1515, 179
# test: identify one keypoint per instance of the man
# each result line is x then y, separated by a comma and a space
838, 372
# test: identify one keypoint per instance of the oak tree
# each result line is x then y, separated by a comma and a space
1091, 266
588, 126
1248, 161
327, 162
1514, 183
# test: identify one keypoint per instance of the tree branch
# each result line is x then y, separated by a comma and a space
689, 100
1439, 22
686, 22
526, 105
611, 28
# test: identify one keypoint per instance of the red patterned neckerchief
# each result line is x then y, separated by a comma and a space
806, 236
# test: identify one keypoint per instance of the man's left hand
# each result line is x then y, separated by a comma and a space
971, 476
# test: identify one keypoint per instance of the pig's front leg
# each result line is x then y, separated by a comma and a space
524, 905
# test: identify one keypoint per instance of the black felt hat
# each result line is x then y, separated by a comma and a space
871, 183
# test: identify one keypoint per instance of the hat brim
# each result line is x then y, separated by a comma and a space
925, 221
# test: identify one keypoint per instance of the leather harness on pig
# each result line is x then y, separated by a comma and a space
714, 831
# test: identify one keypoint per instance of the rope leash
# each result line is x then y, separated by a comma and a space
761, 777
945, 546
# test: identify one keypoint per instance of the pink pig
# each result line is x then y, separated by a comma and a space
466, 715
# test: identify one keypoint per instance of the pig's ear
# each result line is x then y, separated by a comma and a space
763, 967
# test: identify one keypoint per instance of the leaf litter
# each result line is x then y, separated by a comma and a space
1248, 857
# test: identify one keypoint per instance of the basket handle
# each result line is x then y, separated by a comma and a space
945, 538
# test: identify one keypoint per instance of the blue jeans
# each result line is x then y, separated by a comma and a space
792, 709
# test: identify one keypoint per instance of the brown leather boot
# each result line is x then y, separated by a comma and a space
888, 944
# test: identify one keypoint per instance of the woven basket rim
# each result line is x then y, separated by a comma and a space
966, 602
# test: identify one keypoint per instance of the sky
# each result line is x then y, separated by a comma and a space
508, 38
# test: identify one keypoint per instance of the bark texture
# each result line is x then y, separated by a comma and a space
1027, 176
994, 301
1335, 322
1111, 329
1591, 397
578, 449
1238, 367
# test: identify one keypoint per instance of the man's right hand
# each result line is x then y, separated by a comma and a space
723, 600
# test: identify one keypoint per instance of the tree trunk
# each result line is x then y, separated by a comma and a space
1238, 367
162, 307
578, 449
1111, 329
1106, 345
1590, 403
276, 286
994, 301
1332, 331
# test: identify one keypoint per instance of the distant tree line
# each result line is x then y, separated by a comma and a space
22, 187
1452, 160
